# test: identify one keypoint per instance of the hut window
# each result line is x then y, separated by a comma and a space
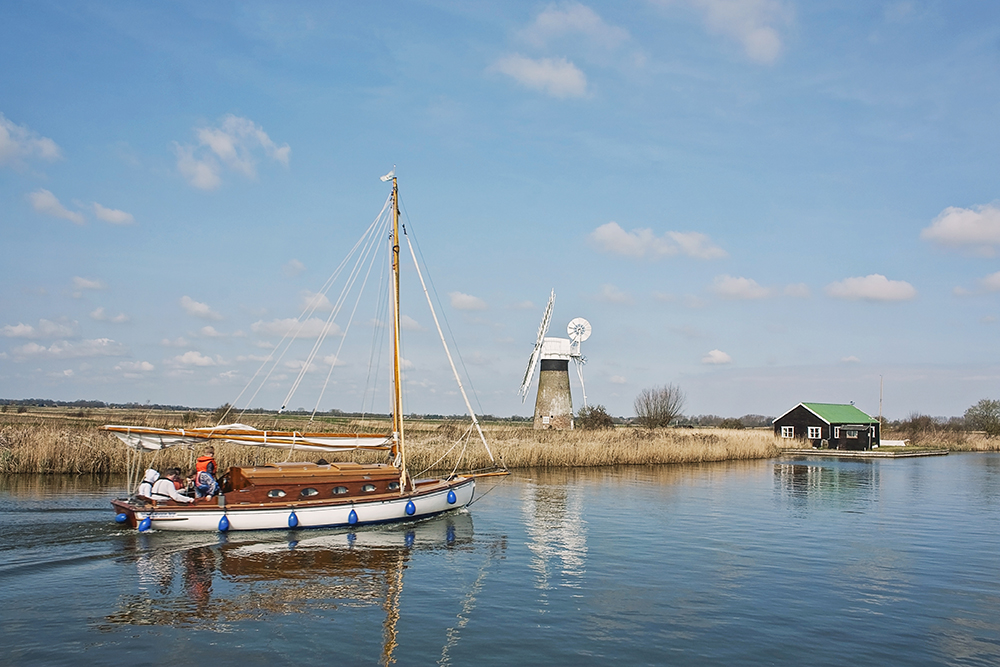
339, 490
393, 486
815, 432
275, 493
852, 434
787, 431
368, 488
305, 493
836, 433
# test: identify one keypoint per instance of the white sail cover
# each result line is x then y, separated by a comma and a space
151, 439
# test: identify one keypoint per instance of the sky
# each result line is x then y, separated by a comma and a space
760, 201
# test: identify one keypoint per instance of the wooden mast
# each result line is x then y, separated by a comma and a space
399, 452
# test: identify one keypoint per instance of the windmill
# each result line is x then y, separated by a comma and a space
554, 405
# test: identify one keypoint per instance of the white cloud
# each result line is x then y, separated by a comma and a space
898, 11
716, 357
201, 173
45, 329
611, 294
310, 328
101, 315
730, 287
98, 347
177, 342
193, 358
556, 77
573, 19
17, 143
850, 360
754, 24
112, 215
976, 229
407, 323
135, 366
198, 309
293, 268
875, 287
618, 379
612, 239
45, 202
210, 332
523, 305
798, 290
460, 301
991, 283
88, 283
316, 301
234, 144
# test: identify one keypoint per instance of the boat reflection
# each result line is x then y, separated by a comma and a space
187, 582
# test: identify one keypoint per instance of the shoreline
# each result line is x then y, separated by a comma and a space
60, 441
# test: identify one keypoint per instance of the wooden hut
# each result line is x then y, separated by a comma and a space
829, 426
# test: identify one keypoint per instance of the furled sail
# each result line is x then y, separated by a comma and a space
151, 439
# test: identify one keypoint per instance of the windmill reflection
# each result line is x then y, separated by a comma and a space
225, 582
554, 520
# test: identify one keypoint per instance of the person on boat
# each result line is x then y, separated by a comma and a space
204, 480
146, 486
165, 489
203, 484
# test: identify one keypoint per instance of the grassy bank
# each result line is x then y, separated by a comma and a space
60, 440
55, 440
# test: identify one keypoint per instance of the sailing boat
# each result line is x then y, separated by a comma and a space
307, 495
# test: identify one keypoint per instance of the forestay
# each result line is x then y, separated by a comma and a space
145, 438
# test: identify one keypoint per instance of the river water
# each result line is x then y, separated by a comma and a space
781, 562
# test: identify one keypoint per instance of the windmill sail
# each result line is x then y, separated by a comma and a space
543, 329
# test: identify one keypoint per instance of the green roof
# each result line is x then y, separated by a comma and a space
836, 413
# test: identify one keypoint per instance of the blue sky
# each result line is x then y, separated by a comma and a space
762, 201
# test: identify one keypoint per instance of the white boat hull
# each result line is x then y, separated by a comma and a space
306, 515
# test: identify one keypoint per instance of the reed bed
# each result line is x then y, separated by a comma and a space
57, 441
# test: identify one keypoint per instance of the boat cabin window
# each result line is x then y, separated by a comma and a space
339, 490
393, 486
305, 493
368, 488
275, 493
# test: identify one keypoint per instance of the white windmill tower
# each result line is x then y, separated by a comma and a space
554, 405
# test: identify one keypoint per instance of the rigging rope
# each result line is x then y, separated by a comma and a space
307, 311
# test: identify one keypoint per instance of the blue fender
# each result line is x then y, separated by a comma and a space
223, 524
411, 509
121, 517
145, 524
352, 518
452, 499
293, 520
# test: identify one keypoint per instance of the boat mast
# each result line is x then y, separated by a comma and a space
398, 451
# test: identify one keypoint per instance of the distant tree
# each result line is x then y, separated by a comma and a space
658, 406
221, 412
594, 417
731, 423
751, 421
984, 416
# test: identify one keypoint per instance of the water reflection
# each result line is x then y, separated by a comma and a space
186, 581
553, 518
829, 483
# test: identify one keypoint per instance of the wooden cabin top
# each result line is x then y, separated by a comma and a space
306, 473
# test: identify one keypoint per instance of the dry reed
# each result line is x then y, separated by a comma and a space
52, 440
